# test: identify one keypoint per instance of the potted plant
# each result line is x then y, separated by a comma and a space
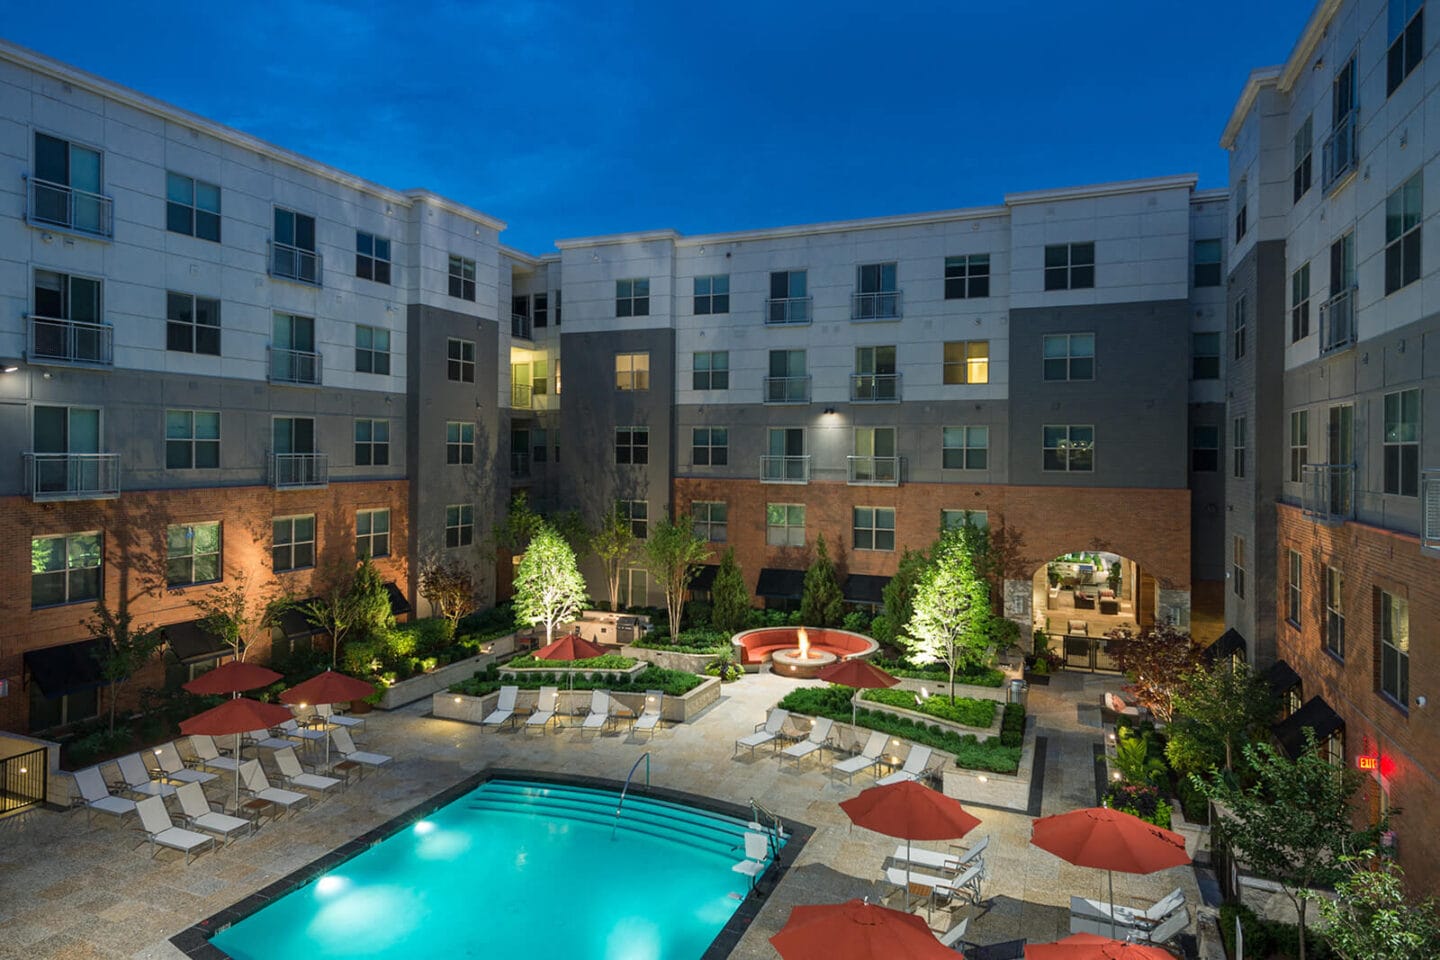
1039, 665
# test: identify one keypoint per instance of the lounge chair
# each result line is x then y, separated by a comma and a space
199, 814
294, 775
953, 936
137, 778
307, 735
254, 782
174, 768
649, 718
341, 738
939, 888
155, 821
209, 757
914, 769
953, 862
544, 709
265, 740
818, 739
600, 715
867, 758
767, 731
757, 852
327, 713
1166, 930
95, 794
1128, 916
504, 708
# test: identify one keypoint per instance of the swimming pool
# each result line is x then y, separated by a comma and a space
518, 868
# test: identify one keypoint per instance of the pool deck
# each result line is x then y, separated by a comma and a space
72, 891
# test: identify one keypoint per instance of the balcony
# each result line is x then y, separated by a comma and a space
874, 471
1337, 321
884, 305
520, 326
1329, 492
1430, 509
521, 396
1341, 153
519, 465
789, 310
68, 208
875, 387
295, 366
300, 471
787, 389
72, 476
53, 340
785, 469
295, 263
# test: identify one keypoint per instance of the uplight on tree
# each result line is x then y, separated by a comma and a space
950, 623
548, 586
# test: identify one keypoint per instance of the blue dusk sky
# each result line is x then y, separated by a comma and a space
575, 119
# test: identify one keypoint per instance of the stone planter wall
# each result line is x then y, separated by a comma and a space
561, 668
671, 659
436, 681
454, 706
1010, 791
980, 733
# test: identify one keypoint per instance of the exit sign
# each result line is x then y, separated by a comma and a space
1367, 763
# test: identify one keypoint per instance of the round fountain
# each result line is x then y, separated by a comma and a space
801, 661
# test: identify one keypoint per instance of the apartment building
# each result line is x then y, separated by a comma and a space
1333, 488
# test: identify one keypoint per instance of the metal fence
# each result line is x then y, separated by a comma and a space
23, 781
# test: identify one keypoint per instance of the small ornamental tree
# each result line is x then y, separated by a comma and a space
225, 612
613, 543
896, 597
1370, 919
951, 619
1156, 661
126, 649
1217, 711
548, 586
672, 555
999, 556
729, 598
449, 587
519, 525
821, 602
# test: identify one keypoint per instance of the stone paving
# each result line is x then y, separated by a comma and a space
73, 891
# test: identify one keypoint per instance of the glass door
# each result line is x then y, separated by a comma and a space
1341, 459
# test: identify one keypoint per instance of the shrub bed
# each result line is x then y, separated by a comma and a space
978, 676
1012, 725
674, 683
608, 661
696, 640
1139, 800
964, 710
1270, 938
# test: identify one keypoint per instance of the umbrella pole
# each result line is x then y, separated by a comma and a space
907, 874
1111, 875
237, 775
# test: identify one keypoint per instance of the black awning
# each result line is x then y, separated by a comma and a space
192, 643
398, 603
704, 577
864, 588
68, 668
779, 584
1317, 715
1230, 643
293, 623
1281, 677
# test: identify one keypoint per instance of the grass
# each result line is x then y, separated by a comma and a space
965, 711
674, 683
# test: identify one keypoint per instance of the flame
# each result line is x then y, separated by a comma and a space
804, 639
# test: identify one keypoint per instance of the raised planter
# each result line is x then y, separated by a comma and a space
560, 668
423, 685
1010, 791
671, 659
980, 733
684, 709
942, 689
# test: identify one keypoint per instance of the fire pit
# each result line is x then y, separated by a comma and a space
801, 661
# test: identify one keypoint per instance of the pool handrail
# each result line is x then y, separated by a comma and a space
626, 789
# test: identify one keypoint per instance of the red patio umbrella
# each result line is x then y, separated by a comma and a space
235, 716
857, 930
233, 677
909, 811
328, 687
570, 647
859, 674
1109, 840
1089, 946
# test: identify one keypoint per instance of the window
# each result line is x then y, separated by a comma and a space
1407, 41
192, 439
460, 365
632, 371
710, 517
372, 533
539, 449
292, 350
60, 296
1300, 303
875, 377
65, 569
1241, 201
1334, 612
292, 543
372, 257
785, 524
967, 361
956, 519
192, 324
788, 382
66, 187
632, 445
968, 277
1069, 356
1402, 235
1204, 448
540, 303
634, 587
372, 350
1237, 448
540, 377
1070, 266
1402, 443
459, 441
876, 295
637, 512
459, 525
1293, 590
1205, 356
710, 446
789, 302
1207, 263
520, 307
1299, 444
462, 278
557, 310
192, 207
192, 553
874, 459
632, 298
1240, 319
292, 255
1337, 317
1069, 448
785, 460
1237, 567
1300, 149
965, 448
873, 528
712, 370
712, 294
1395, 648
372, 443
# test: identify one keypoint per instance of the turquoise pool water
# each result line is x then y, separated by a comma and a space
518, 870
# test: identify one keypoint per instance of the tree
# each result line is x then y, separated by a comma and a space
729, 597
1156, 661
1370, 919
570, 525
613, 543
1217, 711
371, 601
672, 554
896, 598
519, 525
1290, 821
351, 601
951, 619
226, 613
449, 587
126, 649
548, 586
999, 556
821, 602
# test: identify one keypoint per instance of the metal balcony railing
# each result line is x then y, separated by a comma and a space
519, 464
785, 469
787, 310
1341, 153
68, 208
787, 389
299, 471
1430, 509
521, 396
1337, 321
71, 341
1329, 492
296, 263
875, 387
295, 366
520, 326
884, 305
72, 476
874, 471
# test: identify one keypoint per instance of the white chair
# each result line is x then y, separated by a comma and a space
255, 783
155, 821
544, 709
649, 718
327, 713
1128, 916
818, 739
914, 769
174, 768
757, 851
953, 936
340, 737
504, 708
1166, 930
95, 794
767, 731
137, 778
199, 814
307, 735
294, 775
938, 888
265, 740
209, 757
600, 715
868, 757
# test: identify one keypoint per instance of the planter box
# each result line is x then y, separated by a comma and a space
455, 706
436, 681
942, 688
1037, 679
671, 659
560, 669
980, 733
1010, 791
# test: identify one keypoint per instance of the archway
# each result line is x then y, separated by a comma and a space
1080, 597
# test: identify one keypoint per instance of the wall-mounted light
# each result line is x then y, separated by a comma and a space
829, 411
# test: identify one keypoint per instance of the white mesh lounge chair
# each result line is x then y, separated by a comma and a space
955, 934
951, 862
600, 715
155, 821
137, 778
198, 813
341, 738
174, 768
294, 775
265, 740
504, 711
1127, 917
914, 769
818, 740
255, 783
757, 851
939, 888
544, 709
307, 735
866, 759
767, 731
649, 717
327, 712
1166, 930
95, 794
209, 757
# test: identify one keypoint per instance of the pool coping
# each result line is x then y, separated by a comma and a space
194, 941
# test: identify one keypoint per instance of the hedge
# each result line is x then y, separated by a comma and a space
674, 683
966, 711
608, 661
975, 676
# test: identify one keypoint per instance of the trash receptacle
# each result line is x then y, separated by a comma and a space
1018, 688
